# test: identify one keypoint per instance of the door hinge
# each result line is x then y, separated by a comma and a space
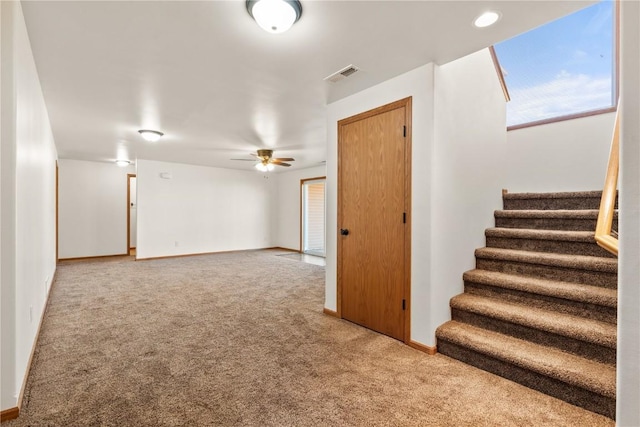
404, 304
404, 131
404, 217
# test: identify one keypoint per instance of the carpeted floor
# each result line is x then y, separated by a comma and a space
240, 339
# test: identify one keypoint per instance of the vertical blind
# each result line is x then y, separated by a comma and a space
314, 217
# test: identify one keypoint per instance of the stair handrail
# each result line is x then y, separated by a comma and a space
608, 201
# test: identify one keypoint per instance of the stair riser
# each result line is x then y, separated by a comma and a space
571, 345
575, 395
549, 246
567, 224
552, 203
587, 277
585, 310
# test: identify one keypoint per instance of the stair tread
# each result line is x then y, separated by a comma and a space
571, 369
584, 262
587, 330
556, 195
536, 234
554, 213
565, 290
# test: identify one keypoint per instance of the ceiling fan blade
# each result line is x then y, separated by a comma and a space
280, 164
285, 159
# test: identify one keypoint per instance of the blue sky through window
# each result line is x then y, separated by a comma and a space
564, 67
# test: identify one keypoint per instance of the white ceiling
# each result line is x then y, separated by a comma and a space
220, 87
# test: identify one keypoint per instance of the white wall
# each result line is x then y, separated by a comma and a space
418, 84
467, 175
628, 372
7, 210
288, 209
28, 202
92, 204
563, 156
458, 145
202, 209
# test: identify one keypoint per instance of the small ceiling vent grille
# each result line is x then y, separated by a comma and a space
342, 74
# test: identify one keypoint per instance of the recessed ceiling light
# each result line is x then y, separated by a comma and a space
123, 163
275, 16
151, 135
486, 19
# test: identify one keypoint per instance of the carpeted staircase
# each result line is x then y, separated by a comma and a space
540, 307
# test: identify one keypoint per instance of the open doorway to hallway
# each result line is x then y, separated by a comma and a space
132, 217
313, 218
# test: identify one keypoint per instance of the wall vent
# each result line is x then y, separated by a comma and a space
342, 74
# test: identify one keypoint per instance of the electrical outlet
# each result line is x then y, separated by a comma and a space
176, 243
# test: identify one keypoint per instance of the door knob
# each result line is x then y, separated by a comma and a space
344, 231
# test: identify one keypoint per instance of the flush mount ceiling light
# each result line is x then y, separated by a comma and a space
123, 163
151, 135
275, 16
486, 19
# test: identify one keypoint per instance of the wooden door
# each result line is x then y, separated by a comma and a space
373, 232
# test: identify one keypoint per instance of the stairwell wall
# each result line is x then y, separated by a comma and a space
563, 156
628, 362
467, 174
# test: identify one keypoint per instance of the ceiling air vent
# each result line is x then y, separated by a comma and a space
342, 74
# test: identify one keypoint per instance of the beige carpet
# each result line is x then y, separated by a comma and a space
240, 339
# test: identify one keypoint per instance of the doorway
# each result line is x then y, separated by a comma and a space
374, 236
132, 214
312, 216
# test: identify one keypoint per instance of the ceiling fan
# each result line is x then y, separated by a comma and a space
266, 161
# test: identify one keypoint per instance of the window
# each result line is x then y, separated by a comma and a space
313, 216
563, 68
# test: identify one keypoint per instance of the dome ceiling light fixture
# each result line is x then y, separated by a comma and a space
151, 135
123, 163
275, 16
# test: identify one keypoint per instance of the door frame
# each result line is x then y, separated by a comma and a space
406, 103
57, 212
129, 176
302, 181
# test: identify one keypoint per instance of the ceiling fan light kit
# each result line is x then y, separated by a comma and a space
151, 135
266, 161
274, 16
264, 166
